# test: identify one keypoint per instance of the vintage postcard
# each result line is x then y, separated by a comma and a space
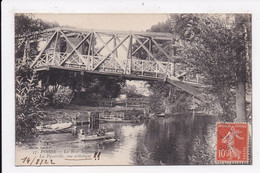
133, 89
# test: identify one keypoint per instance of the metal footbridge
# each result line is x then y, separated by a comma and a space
132, 55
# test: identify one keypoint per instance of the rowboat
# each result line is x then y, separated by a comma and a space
53, 128
108, 141
161, 115
108, 135
119, 120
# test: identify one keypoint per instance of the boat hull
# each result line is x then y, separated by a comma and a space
114, 121
108, 135
54, 128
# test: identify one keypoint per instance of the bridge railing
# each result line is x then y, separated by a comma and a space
135, 66
152, 67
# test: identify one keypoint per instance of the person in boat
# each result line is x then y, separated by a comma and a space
74, 130
82, 132
101, 132
98, 132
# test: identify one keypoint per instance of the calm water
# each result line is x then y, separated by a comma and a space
159, 141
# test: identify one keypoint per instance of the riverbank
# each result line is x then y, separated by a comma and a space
70, 112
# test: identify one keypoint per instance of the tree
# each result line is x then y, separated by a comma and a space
29, 96
26, 24
86, 89
29, 99
219, 47
164, 95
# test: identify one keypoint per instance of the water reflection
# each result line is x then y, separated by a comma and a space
158, 141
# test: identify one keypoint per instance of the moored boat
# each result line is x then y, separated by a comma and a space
116, 117
106, 136
112, 140
115, 121
161, 115
53, 128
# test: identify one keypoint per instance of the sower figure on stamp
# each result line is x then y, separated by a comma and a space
229, 139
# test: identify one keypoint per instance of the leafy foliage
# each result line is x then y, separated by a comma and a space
164, 95
29, 99
29, 96
95, 88
62, 97
217, 47
202, 153
85, 89
26, 24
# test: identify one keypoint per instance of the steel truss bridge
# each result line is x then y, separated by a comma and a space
133, 55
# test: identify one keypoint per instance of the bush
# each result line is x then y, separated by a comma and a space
62, 97
29, 99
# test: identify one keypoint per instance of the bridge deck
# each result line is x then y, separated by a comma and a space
190, 87
126, 76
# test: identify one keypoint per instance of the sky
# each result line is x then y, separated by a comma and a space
104, 21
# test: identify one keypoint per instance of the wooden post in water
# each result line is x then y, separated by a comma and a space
193, 114
89, 117
74, 130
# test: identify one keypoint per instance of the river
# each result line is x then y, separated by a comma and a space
173, 140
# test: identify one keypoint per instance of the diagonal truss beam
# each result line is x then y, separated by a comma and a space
161, 49
140, 46
122, 44
89, 49
116, 52
150, 54
74, 48
20, 43
111, 51
129, 55
106, 43
44, 48
55, 47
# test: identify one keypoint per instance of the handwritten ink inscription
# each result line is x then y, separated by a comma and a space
37, 161
49, 157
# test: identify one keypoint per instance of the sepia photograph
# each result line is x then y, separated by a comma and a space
150, 89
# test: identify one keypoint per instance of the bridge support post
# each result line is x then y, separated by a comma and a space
150, 47
89, 50
26, 49
129, 56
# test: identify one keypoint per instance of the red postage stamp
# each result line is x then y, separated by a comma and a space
232, 142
